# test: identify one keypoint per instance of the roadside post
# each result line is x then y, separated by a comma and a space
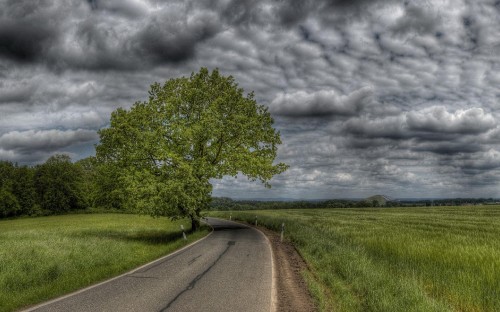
183, 233
282, 230
255, 220
230, 216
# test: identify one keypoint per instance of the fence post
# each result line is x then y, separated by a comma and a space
183, 233
282, 230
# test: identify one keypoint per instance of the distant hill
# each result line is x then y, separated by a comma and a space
381, 200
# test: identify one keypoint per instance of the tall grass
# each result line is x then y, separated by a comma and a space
396, 259
41, 258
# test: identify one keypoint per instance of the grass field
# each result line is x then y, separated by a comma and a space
41, 258
396, 259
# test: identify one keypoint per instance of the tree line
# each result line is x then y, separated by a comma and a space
57, 186
227, 204
62, 186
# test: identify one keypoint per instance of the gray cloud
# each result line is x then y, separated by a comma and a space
418, 19
485, 161
34, 146
385, 127
438, 119
21, 91
434, 123
103, 35
425, 126
291, 12
320, 103
128, 8
26, 141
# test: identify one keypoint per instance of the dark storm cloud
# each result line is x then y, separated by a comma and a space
158, 42
101, 35
26, 31
174, 41
291, 12
23, 42
448, 148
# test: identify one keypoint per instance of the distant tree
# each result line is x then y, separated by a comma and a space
6, 174
191, 130
23, 188
58, 184
222, 203
17, 195
9, 206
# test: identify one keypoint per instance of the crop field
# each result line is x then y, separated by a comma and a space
41, 258
395, 259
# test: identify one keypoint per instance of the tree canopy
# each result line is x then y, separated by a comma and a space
166, 150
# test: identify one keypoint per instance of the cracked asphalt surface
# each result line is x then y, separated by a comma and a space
230, 270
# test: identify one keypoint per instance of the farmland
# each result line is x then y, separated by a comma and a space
41, 258
395, 259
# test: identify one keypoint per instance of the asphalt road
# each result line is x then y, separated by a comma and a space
230, 270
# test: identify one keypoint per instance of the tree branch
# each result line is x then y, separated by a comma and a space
221, 142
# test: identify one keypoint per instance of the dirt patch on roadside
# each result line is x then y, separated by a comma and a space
292, 292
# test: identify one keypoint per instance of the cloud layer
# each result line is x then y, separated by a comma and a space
392, 97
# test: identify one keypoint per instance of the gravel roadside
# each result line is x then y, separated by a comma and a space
292, 292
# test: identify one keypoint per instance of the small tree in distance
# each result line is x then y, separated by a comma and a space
191, 130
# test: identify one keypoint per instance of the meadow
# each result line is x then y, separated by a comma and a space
395, 259
42, 258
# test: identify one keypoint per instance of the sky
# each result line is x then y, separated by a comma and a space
399, 98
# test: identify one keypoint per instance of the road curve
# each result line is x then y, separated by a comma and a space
230, 270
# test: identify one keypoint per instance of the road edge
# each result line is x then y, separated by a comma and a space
33, 308
274, 292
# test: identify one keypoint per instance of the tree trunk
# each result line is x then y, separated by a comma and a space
195, 223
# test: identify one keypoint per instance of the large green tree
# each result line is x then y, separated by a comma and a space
191, 130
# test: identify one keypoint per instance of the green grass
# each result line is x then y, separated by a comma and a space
395, 259
42, 258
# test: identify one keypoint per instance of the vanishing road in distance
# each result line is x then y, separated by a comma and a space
230, 270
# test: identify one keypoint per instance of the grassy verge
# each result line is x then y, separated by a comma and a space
396, 259
42, 258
